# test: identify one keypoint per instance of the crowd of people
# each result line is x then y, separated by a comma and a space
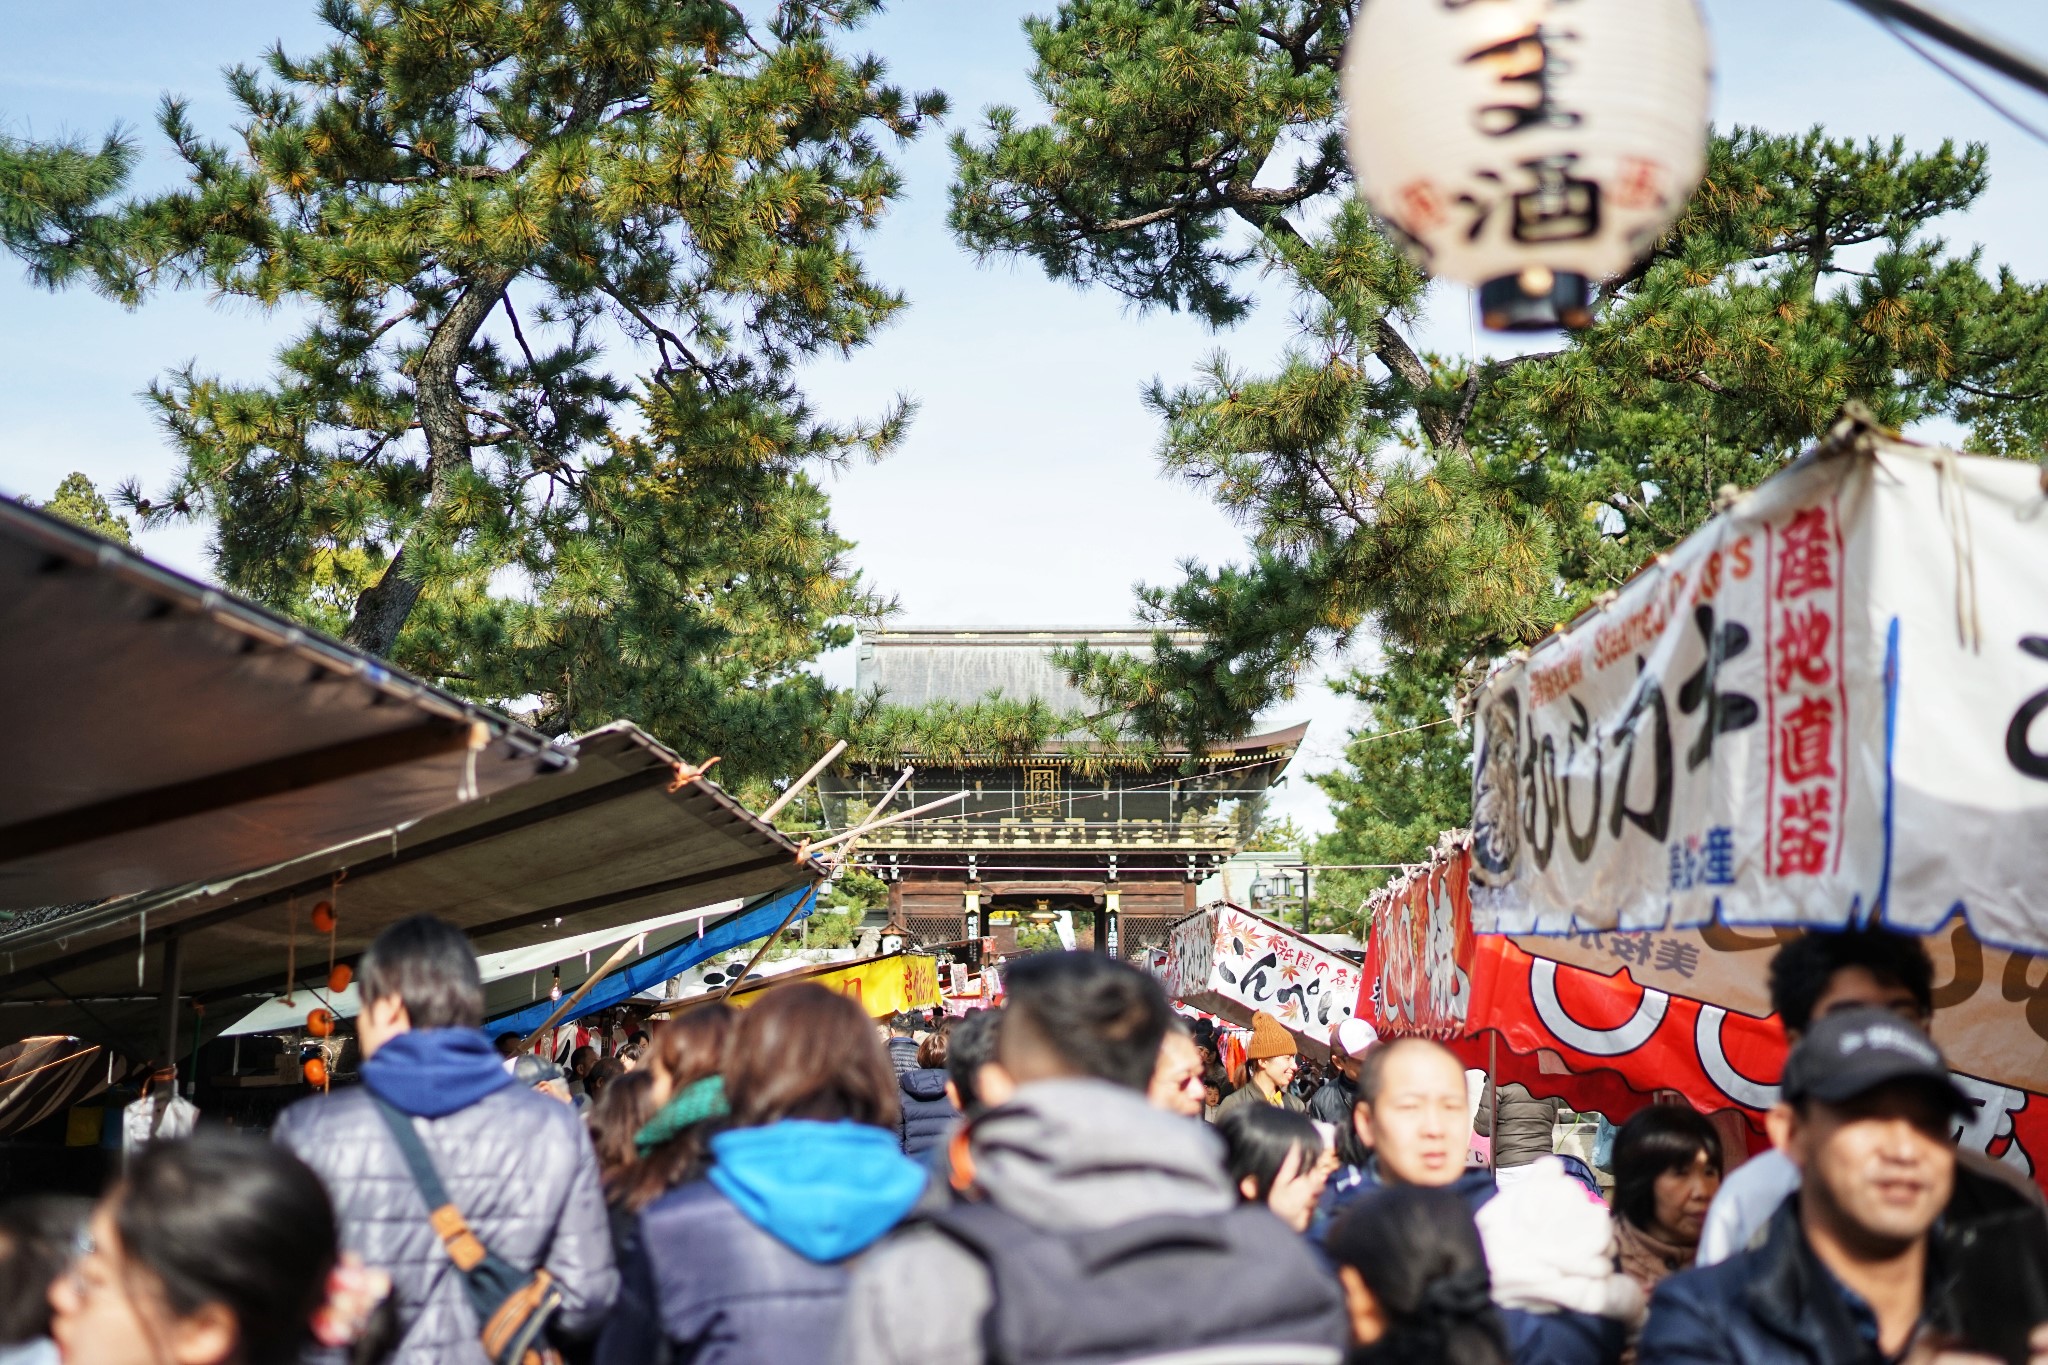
1070, 1177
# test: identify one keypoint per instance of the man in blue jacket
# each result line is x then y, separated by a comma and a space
518, 1164
1849, 1271
1414, 1119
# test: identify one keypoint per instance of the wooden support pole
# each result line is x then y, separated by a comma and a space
898, 818
796, 787
600, 974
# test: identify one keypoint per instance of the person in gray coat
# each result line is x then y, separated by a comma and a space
1077, 1150
518, 1164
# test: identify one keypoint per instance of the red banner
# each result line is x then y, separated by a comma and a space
1418, 957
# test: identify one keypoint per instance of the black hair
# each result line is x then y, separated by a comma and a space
40, 1236
428, 964
970, 1047
1103, 1018
1419, 1253
233, 1221
507, 1044
903, 1023
1661, 1138
1372, 1068
1257, 1139
1801, 970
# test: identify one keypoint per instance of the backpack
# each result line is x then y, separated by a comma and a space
1236, 1288
515, 1308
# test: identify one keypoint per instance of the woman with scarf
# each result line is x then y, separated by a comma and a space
1667, 1167
687, 1101
748, 1264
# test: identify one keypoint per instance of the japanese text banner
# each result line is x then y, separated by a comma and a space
1819, 707
1224, 956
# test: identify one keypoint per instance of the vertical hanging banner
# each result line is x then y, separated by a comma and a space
1827, 704
1418, 958
1230, 962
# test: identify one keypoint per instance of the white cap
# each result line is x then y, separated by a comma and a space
1355, 1036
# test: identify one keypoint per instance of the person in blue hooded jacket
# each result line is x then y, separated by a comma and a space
517, 1163
749, 1264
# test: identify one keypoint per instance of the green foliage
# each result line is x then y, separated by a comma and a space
1458, 510
996, 728
857, 892
51, 197
78, 502
542, 436
1278, 836
1406, 777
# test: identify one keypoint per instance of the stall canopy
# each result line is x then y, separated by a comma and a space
165, 732
519, 977
1828, 705
754, 921
883, 985
629, 833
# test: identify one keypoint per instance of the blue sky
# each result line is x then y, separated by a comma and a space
1027, 490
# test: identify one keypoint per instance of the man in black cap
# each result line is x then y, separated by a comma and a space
1849, 1271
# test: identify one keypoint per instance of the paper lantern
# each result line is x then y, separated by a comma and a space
323, 917
1529, 148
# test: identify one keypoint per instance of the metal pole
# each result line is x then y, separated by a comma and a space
168, 996
1952, 32
1492, 1097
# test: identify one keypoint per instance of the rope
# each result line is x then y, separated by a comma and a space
1955, 508
68, 1057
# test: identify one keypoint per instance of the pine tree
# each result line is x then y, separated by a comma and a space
542, 437
79, 502
1191, 146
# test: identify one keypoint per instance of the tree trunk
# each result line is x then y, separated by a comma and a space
381, 611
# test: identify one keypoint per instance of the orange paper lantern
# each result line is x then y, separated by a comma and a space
316, 1073
338, 979
320, 1023
323, 917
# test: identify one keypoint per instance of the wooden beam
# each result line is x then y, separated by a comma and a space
236, 787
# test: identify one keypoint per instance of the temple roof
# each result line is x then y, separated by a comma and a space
964, 664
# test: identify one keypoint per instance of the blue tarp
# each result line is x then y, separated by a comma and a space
747, 925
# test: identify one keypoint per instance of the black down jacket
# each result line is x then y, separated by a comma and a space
927, 1113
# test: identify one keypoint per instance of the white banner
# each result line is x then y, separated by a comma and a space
1252, 962
1827, 704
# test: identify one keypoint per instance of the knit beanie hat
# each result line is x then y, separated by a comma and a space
1269, 1039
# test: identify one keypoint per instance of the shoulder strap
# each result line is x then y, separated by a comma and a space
449, 1225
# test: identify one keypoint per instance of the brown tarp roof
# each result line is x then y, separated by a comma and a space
163, 732
605, 843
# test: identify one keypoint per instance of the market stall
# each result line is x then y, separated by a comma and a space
1229, 962
1610, 1041
626, 835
